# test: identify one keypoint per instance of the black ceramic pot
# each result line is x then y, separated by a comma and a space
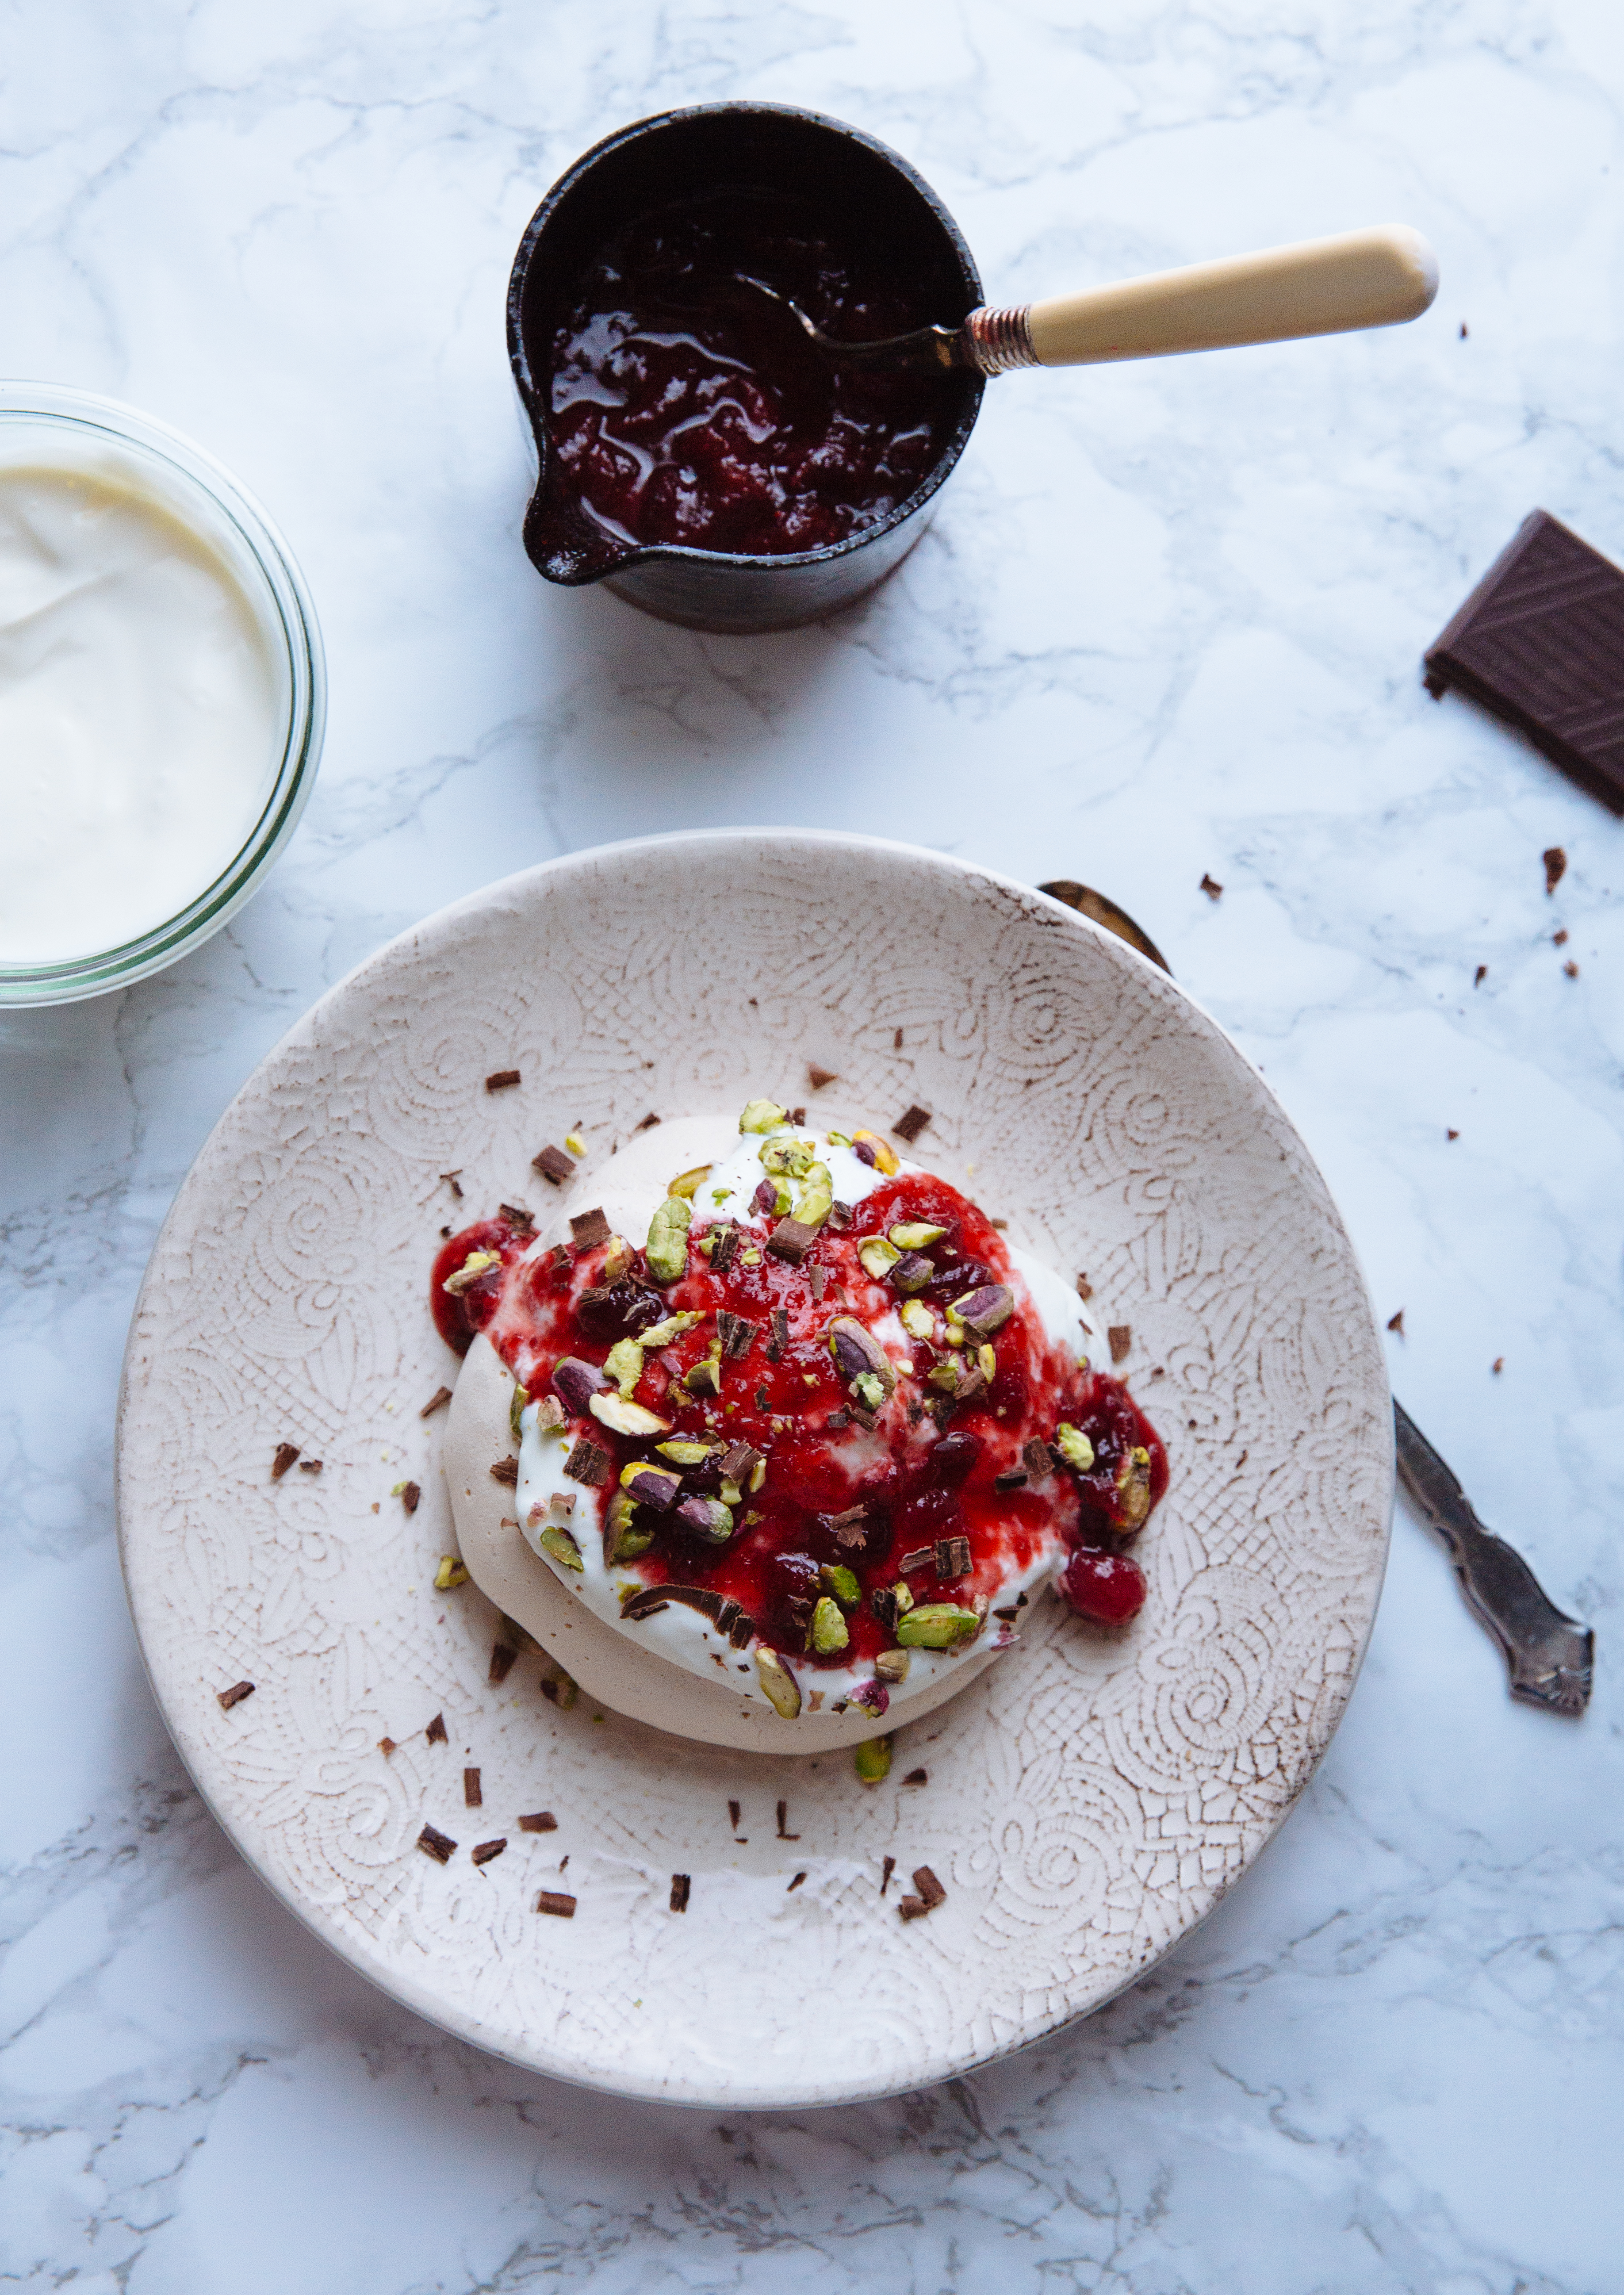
861, 185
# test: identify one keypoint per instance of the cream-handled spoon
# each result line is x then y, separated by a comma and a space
1375, 278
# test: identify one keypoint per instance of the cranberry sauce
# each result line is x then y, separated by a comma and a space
686, 407
927, 1466
459, 1315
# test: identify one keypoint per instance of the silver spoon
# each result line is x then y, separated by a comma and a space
1549, 1655
1375, 278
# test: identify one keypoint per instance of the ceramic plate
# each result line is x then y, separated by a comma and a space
1089, 1798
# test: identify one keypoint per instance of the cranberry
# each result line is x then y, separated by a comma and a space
1107, 1587
952, 1456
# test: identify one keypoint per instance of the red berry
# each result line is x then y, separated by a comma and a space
1109, 1587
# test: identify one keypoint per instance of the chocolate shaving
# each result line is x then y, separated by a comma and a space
776, 1344
505, 1470
1015, 1480
1480, 976
436, 1731
911, 1121
1085, 1289
555, 1901
896, 1042
818, 1077
503, 1658
720, 1608
883, 1602
725, 1245
921, 1558
437, 1401
681, 1884
454, 1180
912, 1908
472, 1797
1396, 1322
1120, 1337
587, 1463
1556, 867
742, 1629
791, 1239
799, 1877
542, 1821
310, 1466
916, 1777
1212, 887
739, 1460
733, 1815
519, 1219
887, 1870
486, 1850
589, 1229
863, 1417
837, 1418
783, 1816
554, 1164
1037, 1458
386, 1746
849, 1527
818, 1278
925, 1882
412, 1493
286, 1453
738, 1334
559, 1259
952, 1558
235, 1694
440, 1846
501, 1079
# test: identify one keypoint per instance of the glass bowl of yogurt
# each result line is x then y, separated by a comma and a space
162, 694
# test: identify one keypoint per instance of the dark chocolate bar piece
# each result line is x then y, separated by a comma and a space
1541, 643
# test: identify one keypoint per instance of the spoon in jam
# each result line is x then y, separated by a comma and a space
1375, 278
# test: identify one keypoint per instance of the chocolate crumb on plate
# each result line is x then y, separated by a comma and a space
733, 1815
504, 1470
542, 1820
234, 1695
783, 1813
818, 1077
1555, 867
797, 1115
1451, 1135
1572, 970
589, 1229
1480, 976
386, 1746
681, 1884
436, 1731
647, 1122
1210, 887
286, 1453
911, 1121
521, 1220
896, 1042
1085, 1289
1120, 1339
799, 1877
486, 1850
912, 1908
454, 1180
440, 1846
411, 1494
1498, 1365
437, 1401
554, 1901
554, 1164
1396, 1322
503, 1658
310, 1466
925, 1882
472, 1797
916, 1777
887, 1870
501, 1079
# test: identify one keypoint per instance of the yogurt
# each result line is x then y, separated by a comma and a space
142, 710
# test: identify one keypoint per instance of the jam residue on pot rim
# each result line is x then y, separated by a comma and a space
1004, 1441
686, 407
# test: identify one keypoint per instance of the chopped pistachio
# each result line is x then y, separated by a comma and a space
1075, 1446
623, 1417
870, 1390
879, 1256
762, 1115
916, 1235
886, 1158
917, 1320
936, 1625
943, 1376
986, 1359
827, 1633
557, 1542
1133, 1488
451, 1572
661, 1334
781, 1199
892, 1665
396, 1490
817, 1196
857, 1352
707, 1243
683, 1450
707, 1518
687, 1183
985, 1310
778, 1684
842, 1584
790, 1158
872, 1760
575, 1143
751, 1258
758, 1475
904, 1597
624, 1363
476, 1263
705, 1378
617, 1259
720, 1194
729, 1493
658, 1485
623, 1537
838, 1139
516, 1405
666, 1249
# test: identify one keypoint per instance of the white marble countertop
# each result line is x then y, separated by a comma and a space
1168, 621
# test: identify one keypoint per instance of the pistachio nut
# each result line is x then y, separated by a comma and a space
617, 1259
683, 1450
817, 1196
705, 1377
687, 1183
575, 1143
842, 1584
789, 1158
778, 1684
623, 1417
827, 1633
625, 1365
758, 1475
916, 1235
517, 1401
917, 1320
984, 1309
451, 1572
892, 1665
872, 1760
1133, 1490
652, 1485
879, 1256
666, 1249
762, 1115
879, 1156
661, 1334
912, 1272
476, 1263
575, 1382
986, 1360
870, 1390
624, 1537
857, 1352
936, 1625
708, 1518
1075, 1446
557, 1542
902, 1595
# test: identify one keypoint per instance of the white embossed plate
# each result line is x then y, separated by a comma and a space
1091, 1797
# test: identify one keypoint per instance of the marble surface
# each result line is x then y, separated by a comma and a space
1168, 622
